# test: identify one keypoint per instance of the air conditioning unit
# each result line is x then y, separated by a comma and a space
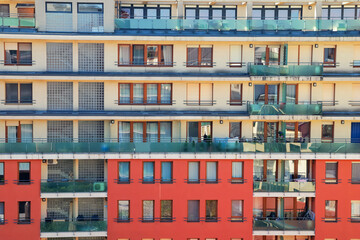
52, 161
99, 187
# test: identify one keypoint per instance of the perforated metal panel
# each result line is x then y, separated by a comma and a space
59, 208
59, 131
59, 22
91, 169
60, 96
60, 169
90, 22
91, 57
91, 207
59, 57
91, 96
91, 131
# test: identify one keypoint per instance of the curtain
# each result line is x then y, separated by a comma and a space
237, 169
166, 93
124, 55
355, 172
124, 174
211, 171
148, 171
124, 93
167, 52
236, 208
12, 134
235, 95
152, 132
331, 170
165, 131
152, 93
192, 55
235, 129
166, 171
211, 209
123, 210
138, 93
355, 209
138, 132
148, 210
25, 53
206, 56
124, 131
193, 171
193, 210
138, 55
26, 132
152, 55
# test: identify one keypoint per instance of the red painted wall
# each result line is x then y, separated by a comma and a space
180, 192
12, 193
343, 192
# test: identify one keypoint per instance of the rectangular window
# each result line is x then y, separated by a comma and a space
124, 211
237, 172
327, 133
2, 173
194, 172
148, 93
124, 172
355, 172
235, 56
193, 211
145, 55
2, 212
18, 93
330, 57
235, 94
235, 130
90, 7
199, 56
236, 210
355, 211
166, 172
24, 172
328, 94
24, 212
211, 172
199, 94
331, 172
148, 172
145, 131
18, 54
331, 210
59, 7
166, 210
148, 211
211, 211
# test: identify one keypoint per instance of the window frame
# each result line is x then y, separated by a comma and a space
238, 180
276, 12
332, 180
153, 208
118, 211
158, 8
131, 64
236, 102
200, 138
326, 139
91, 3
172, 212
198, 212
330, 64
217, 172
172, 172
2, 181
145, 129
18, 133
2, 221
330, 218
353, 181
240, 123
354, 218
19, 94
212, 219
199, 57
18, 55
237, 218
342, 7
188, 169
236, 64
199, 102
145, 94
47, 11
210, 9
143, 171
25, 220
24, 182
119, 181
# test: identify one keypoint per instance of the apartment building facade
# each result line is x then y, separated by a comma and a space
198, 120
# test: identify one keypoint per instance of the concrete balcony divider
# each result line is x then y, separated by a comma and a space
271, 186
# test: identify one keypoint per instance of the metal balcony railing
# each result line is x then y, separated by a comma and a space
283, 224
15, 20
290, 69
73, 186
73, 225
297, 185
300, 108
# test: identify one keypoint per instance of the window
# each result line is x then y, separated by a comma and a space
330, 57
235, 130
277, 12
59, 7
24, 213
199, 56
4, 10
327, 134
144, 12
2, 212
267, 55
236, 210
166, 211
193, 211
2, 174
340, 12
266, 131
90, 7
355, 211
24, 172
148, 172
211, 172
124, 172
266, 94
145, 55
235, 56
328, 94
124, 211
145, 131
211, 211
199, 94
331, 172
237, 172
211, 12
166, 172
194, 172
148, 211
297, 131
235, 94
18, 54
331, 210
147, 93
18, 132
18, 93
355, 172
199, 131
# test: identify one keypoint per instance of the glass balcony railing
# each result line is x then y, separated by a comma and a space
73, 226
305, 24
284, 109
291, 69
185, 145
292, 224
49, 186
299, 186
17, 21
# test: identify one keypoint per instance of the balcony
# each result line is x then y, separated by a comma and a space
299, 187
284, 225
17, 21
56, 227
291, 69
73, 188
260, 108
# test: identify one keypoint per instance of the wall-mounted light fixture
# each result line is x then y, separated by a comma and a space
316, 45
221, 121
250, 84
112, 121
342, 121
314, 84
44, 161
251, 45
310, 7
43, 199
